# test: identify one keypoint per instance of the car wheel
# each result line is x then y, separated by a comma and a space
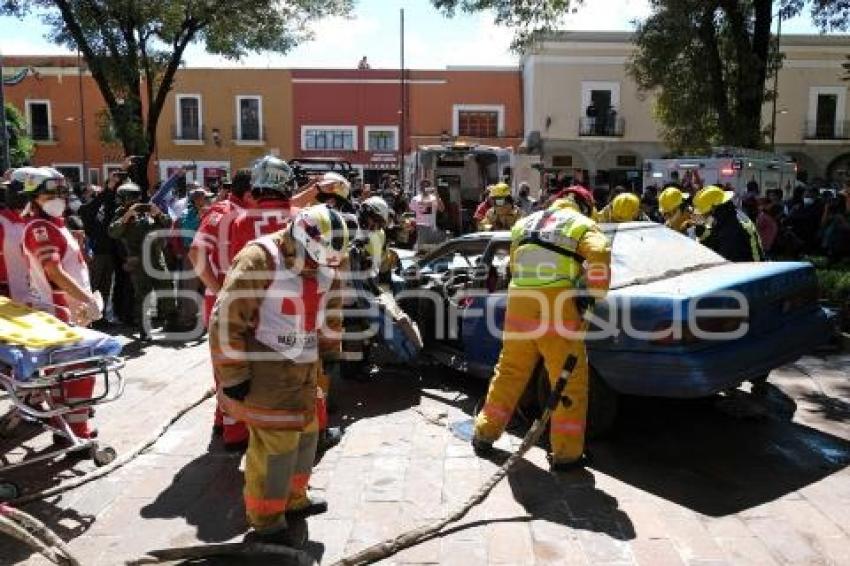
603, 404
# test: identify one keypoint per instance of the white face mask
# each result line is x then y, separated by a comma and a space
55, 207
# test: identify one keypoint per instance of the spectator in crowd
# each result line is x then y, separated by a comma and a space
425, 206
524, 201
134, 221
97, 214
767, 224
836, 226
805, 219
188, 310
750, 203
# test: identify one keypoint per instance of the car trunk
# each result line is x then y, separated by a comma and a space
772, 294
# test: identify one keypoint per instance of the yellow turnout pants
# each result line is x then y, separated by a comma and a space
518, 359
277, 469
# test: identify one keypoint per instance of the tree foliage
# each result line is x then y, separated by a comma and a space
525, 17
21, 147
707, 61
133, 48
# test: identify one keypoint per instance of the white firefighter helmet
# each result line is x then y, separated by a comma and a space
323, 234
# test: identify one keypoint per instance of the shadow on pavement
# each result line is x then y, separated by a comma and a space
712, 462
207, 493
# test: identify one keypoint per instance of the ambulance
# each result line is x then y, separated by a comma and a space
460, 171
726, 167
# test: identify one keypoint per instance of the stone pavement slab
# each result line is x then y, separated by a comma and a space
678, 483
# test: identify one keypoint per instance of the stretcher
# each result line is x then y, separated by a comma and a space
39, 355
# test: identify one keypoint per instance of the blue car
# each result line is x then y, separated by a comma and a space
679, 321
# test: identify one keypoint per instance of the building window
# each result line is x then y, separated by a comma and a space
826, 115
188, 117
337, 138
38, 118
249, 118
478, 121
562, 161
381, 138
72, 172
627, 161
481, 124
600, 103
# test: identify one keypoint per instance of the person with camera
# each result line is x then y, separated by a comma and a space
135, 220
97, 215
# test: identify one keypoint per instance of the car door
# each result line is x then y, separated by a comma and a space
483, 318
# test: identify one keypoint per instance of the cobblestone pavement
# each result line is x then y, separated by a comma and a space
678, 483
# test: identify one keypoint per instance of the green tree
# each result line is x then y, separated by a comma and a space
526, 17
707, 62
20, 145
133, 48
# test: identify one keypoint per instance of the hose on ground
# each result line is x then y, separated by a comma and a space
235, 549
118, 462
392, 546
35, 534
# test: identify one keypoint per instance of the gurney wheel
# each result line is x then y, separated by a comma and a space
9, 491
103, 456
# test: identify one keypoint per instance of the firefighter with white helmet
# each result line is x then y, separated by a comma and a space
276, 315
335, 191
268, 211
503, 214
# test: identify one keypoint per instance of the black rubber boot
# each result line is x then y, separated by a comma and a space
482, 447
294, 535
317, 506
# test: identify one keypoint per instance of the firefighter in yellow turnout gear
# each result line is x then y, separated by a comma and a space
554, 253
277, 313
503, 214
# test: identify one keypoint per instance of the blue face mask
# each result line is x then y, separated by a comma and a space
808, 201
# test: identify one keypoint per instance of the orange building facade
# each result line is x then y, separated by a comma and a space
63, 109
220, 120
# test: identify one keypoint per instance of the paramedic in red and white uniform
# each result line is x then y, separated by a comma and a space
267, 210
59, 276
14, 269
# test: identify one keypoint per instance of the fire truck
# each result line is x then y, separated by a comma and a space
460, 171
726, 166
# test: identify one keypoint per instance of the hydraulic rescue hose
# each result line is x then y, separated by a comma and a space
413, 537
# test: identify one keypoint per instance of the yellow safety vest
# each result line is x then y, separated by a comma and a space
546, 249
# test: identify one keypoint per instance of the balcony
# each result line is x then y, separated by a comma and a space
601, 127
42, 133
249, 134
826, 130
196, 134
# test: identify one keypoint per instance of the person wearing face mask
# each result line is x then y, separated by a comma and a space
503, 214
276, 316
727, 230
59, 276
14, 271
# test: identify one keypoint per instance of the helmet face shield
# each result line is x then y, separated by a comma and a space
322, 233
